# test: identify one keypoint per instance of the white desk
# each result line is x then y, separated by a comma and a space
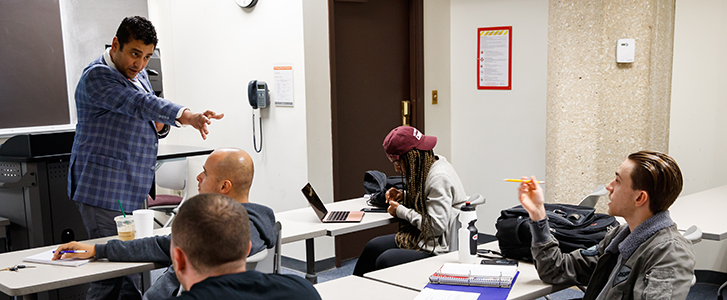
307, 216
28, 281
306, 226
357, 288
293, 231
704, 209
415, 275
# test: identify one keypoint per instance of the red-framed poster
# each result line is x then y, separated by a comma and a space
494, 58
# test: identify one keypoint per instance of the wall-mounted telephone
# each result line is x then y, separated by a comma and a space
259, 97
258, 94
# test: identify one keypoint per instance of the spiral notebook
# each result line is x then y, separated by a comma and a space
475, 275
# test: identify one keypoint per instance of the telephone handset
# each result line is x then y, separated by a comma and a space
258, 94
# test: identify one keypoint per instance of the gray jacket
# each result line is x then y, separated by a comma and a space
443, 191
653, 262
156, 249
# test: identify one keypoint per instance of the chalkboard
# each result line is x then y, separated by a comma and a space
33, 90
44, 47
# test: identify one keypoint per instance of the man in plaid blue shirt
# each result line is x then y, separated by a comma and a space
120, 121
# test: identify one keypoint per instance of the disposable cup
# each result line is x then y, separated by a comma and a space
144, 219
125, 227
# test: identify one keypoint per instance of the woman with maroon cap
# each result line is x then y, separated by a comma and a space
428, 220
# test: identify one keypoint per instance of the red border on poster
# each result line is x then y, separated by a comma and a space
509, 59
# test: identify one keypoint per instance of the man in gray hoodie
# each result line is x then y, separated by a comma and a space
646, 258
226, 171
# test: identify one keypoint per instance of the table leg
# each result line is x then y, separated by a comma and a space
145, 281
310, 261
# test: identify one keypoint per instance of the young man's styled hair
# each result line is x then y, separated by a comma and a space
659, 175
138, 28
212, 229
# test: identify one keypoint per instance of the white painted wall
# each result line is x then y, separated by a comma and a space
698, 105
210, 50
498, 134
87, 26
698, 126
437, 74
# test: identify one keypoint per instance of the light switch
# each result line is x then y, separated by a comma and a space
625, 50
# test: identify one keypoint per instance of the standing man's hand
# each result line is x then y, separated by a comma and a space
531, 197
199, 120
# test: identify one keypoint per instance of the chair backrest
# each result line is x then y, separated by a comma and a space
268, 260
592, 198
254, 260
172, 174
694, 235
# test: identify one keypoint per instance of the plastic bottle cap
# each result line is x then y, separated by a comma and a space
467, 207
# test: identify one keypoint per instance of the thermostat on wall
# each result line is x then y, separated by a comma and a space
625, 50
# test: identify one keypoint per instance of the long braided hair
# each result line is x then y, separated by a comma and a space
417, 164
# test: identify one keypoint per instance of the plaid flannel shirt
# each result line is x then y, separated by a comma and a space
116, 143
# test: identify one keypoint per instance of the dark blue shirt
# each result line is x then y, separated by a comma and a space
252, 285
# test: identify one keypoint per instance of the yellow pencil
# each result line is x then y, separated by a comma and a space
520, 180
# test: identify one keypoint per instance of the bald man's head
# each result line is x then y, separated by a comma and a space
227, 171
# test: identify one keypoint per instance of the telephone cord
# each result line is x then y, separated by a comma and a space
254, 143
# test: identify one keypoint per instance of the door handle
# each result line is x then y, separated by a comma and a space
405, 113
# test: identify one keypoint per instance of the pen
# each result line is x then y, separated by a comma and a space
72, 251
520, 180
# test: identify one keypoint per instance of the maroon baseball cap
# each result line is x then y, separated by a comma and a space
403, 139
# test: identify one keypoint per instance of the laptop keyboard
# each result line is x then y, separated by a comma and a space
337, 216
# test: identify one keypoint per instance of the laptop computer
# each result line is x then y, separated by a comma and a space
329, 216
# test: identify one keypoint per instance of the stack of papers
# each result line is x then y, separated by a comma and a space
46, 258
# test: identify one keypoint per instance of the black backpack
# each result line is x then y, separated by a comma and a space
376, 184
575, 227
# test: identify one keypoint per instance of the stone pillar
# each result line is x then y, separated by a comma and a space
599, 111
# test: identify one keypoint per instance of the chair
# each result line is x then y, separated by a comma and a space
592, 199
170, 174
694, 235
268, 260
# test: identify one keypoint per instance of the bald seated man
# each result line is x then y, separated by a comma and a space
227, 171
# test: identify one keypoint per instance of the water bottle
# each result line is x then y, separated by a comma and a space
468, 234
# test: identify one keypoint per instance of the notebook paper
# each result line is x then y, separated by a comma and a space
46, 258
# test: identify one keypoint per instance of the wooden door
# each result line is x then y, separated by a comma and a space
376, 63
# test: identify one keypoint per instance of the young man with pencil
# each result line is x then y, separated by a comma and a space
646, 258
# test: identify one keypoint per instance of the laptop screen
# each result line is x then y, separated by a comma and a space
315, 201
